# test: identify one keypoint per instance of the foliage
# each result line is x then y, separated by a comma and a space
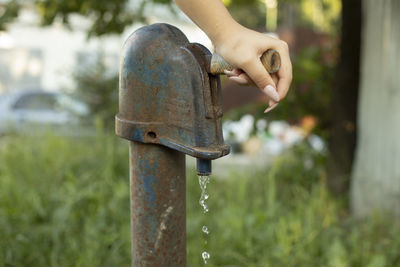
98, 88
112, 17
8, 12
251, 14
65, 202
322, 14
107, 17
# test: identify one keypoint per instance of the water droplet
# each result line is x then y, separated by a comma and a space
205, 255
205, 230
205, 208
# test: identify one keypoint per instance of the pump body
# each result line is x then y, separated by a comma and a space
167, 96
169, 106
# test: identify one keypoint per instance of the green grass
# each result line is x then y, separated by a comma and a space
65, 202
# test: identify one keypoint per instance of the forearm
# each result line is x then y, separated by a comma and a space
211, 16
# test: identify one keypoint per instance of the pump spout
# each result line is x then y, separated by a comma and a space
203, 167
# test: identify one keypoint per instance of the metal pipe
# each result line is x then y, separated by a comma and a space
158, 205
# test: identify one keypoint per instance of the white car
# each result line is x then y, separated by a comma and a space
26, 111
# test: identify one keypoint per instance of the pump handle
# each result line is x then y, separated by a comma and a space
270, 59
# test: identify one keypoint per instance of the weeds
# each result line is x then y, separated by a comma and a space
65, 202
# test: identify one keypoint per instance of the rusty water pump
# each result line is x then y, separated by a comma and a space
169, 105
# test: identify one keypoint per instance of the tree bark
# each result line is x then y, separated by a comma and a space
342, 138
376, 173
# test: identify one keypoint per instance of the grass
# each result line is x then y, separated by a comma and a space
65, 202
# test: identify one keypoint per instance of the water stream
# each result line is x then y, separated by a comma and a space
203, 181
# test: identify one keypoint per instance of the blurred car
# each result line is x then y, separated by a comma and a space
33, 110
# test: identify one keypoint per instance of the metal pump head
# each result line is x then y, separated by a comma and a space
167, 97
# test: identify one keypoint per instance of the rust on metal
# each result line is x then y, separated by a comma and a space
158, 205
169, 106
165, 89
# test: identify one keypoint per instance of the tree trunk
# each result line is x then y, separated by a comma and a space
376, 173
342, 139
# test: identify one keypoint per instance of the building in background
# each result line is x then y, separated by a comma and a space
33, 57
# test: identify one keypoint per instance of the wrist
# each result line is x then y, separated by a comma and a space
224, 32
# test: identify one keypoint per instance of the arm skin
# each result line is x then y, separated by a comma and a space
241, 47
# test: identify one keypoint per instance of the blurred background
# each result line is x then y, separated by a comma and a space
315, 182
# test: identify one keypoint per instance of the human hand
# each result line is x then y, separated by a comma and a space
243, 48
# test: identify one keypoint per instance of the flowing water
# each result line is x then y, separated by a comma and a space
203, 181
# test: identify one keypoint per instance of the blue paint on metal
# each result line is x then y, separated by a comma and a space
157, 206
138, 135
149, 181
152, 75
169, 85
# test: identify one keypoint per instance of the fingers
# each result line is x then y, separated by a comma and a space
283, 86
285, 77
234, 72
285, 72
256, 71
275, 78
238, 80
243, 79
249, 69
272, 105
238, 76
